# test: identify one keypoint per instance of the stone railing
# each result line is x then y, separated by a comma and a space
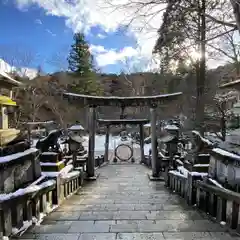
19, 169
217, 202
27, 206
184, 186
70, 184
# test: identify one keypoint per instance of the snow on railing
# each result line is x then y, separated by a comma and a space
30, 205
15, 156
212, 198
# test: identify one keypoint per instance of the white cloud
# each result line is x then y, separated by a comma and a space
111, 56
84, 14
97, 49
101, 36
81, 15
50, 32
38, 21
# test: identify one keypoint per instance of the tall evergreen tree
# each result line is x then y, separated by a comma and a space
80, 63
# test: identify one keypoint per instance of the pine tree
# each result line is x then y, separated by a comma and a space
80, 63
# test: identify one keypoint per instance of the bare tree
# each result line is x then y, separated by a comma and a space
228, 48
19, 58
59, 59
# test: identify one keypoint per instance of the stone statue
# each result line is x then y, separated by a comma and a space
51, 141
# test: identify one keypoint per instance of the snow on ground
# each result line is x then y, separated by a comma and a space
114, 141
146, 148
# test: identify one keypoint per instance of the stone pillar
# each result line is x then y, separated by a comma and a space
155, 168
91, 144
106, 144
4, 117
142, 143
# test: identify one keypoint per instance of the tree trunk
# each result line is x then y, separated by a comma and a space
236, 11
223, 128
223, 120
201, 69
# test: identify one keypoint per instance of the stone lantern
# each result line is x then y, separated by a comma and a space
77, 130
170, 143
75, 144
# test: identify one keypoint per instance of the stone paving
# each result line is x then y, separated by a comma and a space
124, 205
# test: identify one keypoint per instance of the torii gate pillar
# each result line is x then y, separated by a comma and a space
91, 145
155, 163
155, 170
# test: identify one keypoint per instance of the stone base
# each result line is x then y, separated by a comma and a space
94, 178
156, 179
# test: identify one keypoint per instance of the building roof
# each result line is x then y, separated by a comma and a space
7, 81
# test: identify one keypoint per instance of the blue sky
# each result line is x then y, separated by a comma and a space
44, 29
30, 28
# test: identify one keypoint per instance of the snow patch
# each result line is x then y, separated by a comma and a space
171, 127
23, 191
183, 171
177, 173
198, 174
202, 138
61, 173
121, 98
201, 165
38, 180
52, 131
226, 153
49, 153
15, 156
215, 183
51, 163
38, 222
76, 128
204, 155
71, 175
23, 229
146, 149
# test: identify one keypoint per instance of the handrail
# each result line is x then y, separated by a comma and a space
221, 192
208, 198
30, 203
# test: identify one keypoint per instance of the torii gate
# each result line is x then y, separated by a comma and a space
94, 101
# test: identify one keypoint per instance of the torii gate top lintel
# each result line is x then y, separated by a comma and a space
94, 101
